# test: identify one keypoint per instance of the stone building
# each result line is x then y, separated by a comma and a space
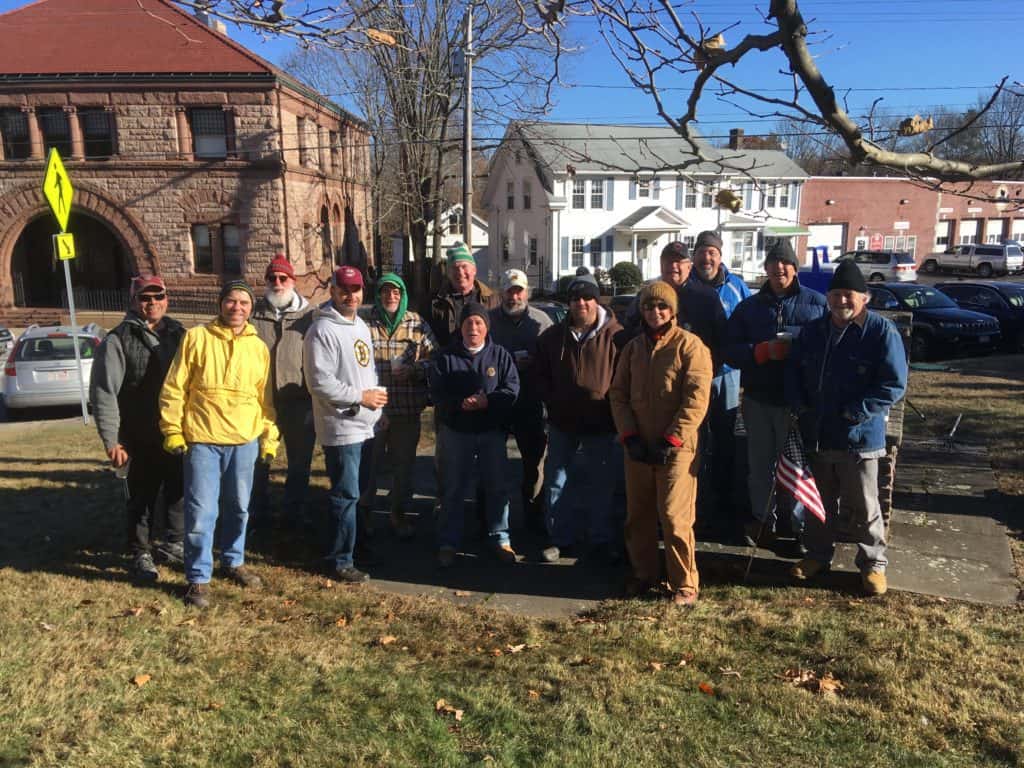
190, 156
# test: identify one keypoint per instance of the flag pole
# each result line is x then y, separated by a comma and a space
760, 531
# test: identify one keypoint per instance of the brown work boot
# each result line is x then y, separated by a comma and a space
197, 596
684, 598
506, 554
243, 577
874, 583
807, 569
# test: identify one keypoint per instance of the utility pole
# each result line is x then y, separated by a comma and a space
467, 134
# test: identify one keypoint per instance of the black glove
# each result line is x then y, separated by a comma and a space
636, 448
660, 452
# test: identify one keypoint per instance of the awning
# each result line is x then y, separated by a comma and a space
793, 231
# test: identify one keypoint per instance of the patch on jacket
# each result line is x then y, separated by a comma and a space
491, 373
362, 353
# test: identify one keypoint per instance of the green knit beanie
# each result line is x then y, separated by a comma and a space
459, 252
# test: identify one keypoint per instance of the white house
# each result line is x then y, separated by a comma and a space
565, 195
452, 232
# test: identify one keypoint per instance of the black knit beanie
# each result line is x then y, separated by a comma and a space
471, 308
848, 277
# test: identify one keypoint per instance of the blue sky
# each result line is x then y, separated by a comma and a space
915, 54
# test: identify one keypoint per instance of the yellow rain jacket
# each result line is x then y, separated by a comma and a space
216, 389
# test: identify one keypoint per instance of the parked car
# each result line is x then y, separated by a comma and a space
983, 260
40, 370
1004, 301
553, 309
882, 266
939, 325
6, 342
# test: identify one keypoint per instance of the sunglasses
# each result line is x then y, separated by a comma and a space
659, 305
147, 298
278, 279
580, 297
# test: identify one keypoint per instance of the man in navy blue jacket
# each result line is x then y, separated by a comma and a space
759, 335
474, 384
846, 372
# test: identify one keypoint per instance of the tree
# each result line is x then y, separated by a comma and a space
626, 276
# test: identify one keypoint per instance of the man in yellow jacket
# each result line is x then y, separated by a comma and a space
216, 409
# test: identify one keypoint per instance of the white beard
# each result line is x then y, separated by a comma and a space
279, 300
846, 314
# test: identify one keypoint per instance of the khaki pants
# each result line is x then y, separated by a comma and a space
668, 494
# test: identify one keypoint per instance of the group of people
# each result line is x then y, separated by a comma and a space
648, 406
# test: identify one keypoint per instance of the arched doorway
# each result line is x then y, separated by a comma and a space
101, 264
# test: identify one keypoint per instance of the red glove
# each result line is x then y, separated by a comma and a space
770, 350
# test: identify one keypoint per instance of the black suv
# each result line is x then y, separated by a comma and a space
1003, 300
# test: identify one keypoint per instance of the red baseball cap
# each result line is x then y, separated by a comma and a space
349, 277
144, 283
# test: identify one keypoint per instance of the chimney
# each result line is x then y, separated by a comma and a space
735, 138
212, 22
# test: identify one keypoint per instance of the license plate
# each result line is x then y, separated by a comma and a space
58, 375
983, 339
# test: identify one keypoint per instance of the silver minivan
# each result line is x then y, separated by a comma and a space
40, 371
884, 266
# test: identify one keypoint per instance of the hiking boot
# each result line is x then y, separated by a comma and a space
197, 596
758, 534
684, 598
446, 557
351, 575
874, 583
807, 569
505, 554
143, 567
243, 577
171, 553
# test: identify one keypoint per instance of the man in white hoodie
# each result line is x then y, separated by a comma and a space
342, 378
282, 318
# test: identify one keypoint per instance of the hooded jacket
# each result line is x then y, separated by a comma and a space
217, 391
284, 332
573, 376
338, 361
458, 373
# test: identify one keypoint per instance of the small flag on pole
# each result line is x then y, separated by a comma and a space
793, 474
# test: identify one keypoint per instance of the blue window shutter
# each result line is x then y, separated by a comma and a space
656, 188
565, 255
609, 191
632, 189
679, 194
609, 251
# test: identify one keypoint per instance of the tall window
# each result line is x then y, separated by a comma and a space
217, 249
596, 257
454, 224
14, 127
335, 153
576, 252
771, 195
56, 132
942, 233
643, 188
690, 241
300, 131
231, 249
527, 196
747, 195
597, 194
579, 193
209, 133
706, 198
510, 195
784, 196
202, 249
742, 248
690, 195
98, 132
533, 251
506, 248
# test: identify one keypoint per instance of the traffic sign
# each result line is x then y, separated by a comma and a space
64, 246
57, 188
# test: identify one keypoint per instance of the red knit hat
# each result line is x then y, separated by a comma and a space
281, 265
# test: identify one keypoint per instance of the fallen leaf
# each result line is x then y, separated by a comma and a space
442, 707
532, 694
828, 685
707, 688
46, 627
288, 602
141, 680
325, 584
808, 600
157, 610
341, 621
516, 648
187, 622
463, 593
683, 662
136, 611
581, 661
458, 715
655, 666
386, 639
496, 652
85, 602
213, 706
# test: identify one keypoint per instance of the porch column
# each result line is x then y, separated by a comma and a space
77, 140
184, 133
633, 253
35, 135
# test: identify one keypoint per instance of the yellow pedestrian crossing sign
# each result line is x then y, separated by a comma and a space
64, 246
57, 189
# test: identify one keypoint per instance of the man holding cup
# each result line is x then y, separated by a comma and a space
347, 402
759, 336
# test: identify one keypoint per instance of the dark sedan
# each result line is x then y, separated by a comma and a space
940, 326
1004, 301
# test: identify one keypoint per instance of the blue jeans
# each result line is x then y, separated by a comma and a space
581, 494
216, 476
343, 470
458, 453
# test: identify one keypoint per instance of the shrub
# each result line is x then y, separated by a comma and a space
626, 277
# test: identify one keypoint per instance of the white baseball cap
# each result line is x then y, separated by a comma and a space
514, 278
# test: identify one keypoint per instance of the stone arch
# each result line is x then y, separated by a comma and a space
24, 203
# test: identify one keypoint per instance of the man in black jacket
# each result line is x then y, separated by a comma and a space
127, 376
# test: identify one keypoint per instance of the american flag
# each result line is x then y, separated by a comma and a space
793, 474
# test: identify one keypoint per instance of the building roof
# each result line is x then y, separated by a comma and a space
633, 148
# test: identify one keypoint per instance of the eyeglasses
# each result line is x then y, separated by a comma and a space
148, 298
278, 278
659, 305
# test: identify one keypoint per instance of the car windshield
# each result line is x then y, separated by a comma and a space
46, 348
1013, 294
920, 297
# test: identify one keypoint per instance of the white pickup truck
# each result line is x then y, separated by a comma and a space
982, 260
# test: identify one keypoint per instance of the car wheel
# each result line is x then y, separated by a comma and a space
878, 277
985, 270
931, 266
919, 346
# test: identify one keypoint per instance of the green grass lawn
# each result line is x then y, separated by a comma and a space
310, 673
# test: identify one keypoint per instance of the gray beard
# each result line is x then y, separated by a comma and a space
279, 300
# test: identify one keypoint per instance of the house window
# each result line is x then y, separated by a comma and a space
209, 133
706, 198
784, 196
968, 239
771, 194
202, 250
579, 193
510, 195
506, 248
454, 224
533, 251
643, 188
641, 249
597, 194
335, 162
689, 241
14, 127
690, 196
747, 194
991, 238
742, 248
98, 132
300, 131
596, 257
576, 252
527, 196
55, 129
231, 249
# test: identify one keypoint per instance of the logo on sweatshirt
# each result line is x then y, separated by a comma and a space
491, 373
362, 353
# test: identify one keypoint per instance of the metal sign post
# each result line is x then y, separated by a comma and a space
58, 192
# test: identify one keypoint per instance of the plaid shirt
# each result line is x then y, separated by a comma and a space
414, 343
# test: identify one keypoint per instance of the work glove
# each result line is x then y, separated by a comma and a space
660, 452
636, 448
175, 444
267, 453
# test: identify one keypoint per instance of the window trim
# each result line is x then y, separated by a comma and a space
579, 194
576, 251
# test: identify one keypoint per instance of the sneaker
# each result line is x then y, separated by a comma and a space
351, 575
550, 554
171, 553
243, 577
143, 567
684, 598
446, 557
874, 583
197, 596
506, 554
807, 569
